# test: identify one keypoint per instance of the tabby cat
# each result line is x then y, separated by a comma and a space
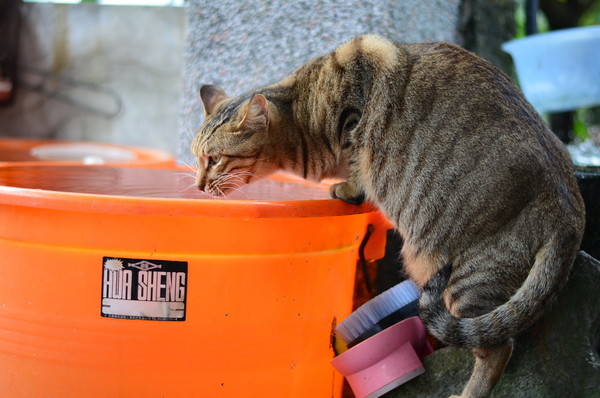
447, 147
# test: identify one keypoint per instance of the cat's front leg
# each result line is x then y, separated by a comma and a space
349, 191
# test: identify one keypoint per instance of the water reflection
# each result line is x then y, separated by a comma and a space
121, 181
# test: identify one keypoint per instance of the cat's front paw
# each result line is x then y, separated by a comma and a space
347, 192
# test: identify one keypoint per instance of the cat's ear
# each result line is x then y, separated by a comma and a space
256, 115
211, 97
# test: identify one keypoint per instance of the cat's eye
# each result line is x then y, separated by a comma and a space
212, 160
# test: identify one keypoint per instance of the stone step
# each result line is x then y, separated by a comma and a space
559, 356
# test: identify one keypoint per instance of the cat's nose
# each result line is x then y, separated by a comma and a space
200, 181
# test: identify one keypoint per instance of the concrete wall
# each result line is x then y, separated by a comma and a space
241, 45
104, 58
145, 58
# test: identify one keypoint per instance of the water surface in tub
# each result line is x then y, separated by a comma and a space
158, 183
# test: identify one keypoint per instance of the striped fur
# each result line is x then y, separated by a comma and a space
447, 147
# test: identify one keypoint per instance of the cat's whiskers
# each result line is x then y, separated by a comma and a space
212, 190
189, 166
234, 188
219, 182
189, 188
189, 134
238, 180
184, 177
185, 174
222, 193
234, 181
192, 173
227, 178
249, 174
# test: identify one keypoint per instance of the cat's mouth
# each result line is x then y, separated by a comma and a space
214, 190
226, 183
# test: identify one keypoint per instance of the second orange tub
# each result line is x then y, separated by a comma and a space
124, 282
31, 152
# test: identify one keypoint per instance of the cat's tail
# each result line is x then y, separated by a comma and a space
548, 273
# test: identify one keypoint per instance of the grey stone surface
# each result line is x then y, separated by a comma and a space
132, 53
486, 25
243, 45
558, 357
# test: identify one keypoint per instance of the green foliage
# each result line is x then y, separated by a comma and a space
592, 15
579, 125
542, 22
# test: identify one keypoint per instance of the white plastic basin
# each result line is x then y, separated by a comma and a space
560, 70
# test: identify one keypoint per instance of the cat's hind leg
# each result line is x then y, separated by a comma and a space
485, 279
489, 366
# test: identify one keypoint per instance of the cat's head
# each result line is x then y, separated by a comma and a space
231, 147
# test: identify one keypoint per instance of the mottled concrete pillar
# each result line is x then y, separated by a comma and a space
240, 45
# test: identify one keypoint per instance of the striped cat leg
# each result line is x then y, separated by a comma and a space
477, 286
489, 366
348, 191
351, 190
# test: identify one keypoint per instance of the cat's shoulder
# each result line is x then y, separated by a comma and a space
387, 54
383, 52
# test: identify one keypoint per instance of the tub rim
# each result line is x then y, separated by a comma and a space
181, 207
143, 156
560, 37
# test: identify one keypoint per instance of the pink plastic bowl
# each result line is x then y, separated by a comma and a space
386, 360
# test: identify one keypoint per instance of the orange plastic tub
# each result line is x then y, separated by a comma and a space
157, 291
31, 152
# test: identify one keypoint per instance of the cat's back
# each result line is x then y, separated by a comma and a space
464, 100
446, 72
481, 151
449, 60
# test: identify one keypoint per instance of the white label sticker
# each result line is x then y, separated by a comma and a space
144, 289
